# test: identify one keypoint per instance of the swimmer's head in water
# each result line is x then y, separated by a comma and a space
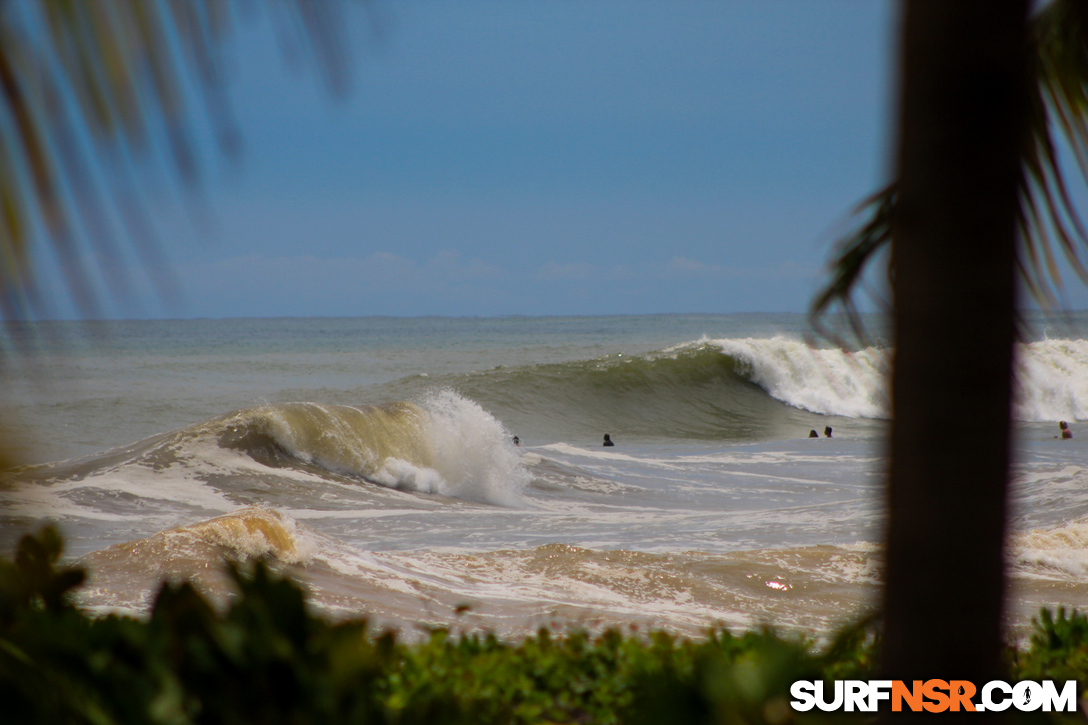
827, 431
813, 434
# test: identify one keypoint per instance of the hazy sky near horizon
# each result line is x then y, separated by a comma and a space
543, 158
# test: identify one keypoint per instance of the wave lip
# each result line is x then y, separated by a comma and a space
1052, 380
124, 577
444, 444
824, 381
252, 533
1051, 377
337, 438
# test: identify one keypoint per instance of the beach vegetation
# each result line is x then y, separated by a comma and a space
267, 658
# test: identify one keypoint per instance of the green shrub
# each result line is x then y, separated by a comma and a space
1058, 649
268, 660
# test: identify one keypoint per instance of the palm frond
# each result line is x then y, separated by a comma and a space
869, 232
89, 92
1048, 219
1059, 102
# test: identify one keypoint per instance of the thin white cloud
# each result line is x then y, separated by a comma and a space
685, 267
448, 265
379, 268
552, 272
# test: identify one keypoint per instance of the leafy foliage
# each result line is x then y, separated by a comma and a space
855, 250
1059, 649
92, 96
1047, 217
267, 659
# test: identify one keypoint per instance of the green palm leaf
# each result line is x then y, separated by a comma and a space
91, 90
1049, 222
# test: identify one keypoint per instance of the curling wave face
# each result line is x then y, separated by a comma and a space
741, 389
126, 576
824, 381
445, 444
726, 389
292, 455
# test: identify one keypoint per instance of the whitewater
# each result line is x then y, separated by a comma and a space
374, 460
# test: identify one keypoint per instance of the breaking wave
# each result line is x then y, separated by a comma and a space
744, 388
1052, 380
445, 444
442, 444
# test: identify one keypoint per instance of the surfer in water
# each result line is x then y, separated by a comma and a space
608, 440
517, 441
1066, 433
813, 434
827, 431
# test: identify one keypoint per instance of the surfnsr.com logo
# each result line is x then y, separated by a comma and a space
934, 696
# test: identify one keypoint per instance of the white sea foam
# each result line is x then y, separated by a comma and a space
472, 451
1052, 380
826, 381
1060, 552
446, 444
252, 532
396, 473
1051, 375
155, 496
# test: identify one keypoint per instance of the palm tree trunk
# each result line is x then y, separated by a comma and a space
962, 119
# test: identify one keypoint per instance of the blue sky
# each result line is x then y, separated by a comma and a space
539, 158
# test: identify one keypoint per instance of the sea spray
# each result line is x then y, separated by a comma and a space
825, 381
445, 444
472, 451
1052, 380
1051, 377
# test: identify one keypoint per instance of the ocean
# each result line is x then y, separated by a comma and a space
373, 460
